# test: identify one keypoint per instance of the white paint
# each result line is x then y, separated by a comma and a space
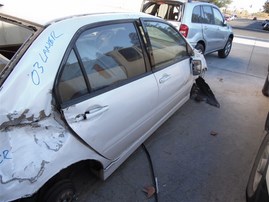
252, 42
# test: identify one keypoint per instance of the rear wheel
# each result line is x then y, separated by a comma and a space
227, 49
200, 47
61, 191
256, 188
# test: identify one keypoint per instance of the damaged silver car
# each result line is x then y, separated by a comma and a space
83, 89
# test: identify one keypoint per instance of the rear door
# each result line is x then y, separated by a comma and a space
210, 30
171, 64
107, 95
222, 30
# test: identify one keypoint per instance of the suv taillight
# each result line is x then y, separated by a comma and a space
184, 29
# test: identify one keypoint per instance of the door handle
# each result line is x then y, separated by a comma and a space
164, 78
92, 112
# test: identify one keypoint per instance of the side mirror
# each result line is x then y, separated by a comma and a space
197, 67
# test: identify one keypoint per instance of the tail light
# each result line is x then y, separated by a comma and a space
184, 30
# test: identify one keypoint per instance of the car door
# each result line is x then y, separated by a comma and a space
107, 95
223, 31
211, 31
171, 64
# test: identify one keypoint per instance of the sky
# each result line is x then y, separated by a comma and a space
250, 5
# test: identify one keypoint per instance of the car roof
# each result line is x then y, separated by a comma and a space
44, 12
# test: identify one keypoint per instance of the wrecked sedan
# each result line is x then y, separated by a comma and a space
83, 90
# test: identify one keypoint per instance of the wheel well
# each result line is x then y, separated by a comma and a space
202, 42
70, 172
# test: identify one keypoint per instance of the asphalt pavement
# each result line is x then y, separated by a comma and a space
202, 153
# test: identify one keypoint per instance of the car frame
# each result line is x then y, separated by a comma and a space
44, 135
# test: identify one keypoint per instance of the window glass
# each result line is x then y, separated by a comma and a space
72, 83
218, 17
110, 54
167, 44
165, 11
208, 16
196, 15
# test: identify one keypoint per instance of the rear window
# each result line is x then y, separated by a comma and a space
163, 10
11, 38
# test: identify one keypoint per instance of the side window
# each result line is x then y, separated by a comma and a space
208, 16
218, 17
196, 15
110, 54
168, 46
104, 56
71, 84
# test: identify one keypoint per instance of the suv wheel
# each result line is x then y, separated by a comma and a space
200, 47
227, 49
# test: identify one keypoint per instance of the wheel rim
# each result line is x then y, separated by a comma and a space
261, 168
228, 47
66, 196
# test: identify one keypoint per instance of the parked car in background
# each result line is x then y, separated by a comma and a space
266, 26
85, 85
201, 23
258, 183
265, 22
230, 17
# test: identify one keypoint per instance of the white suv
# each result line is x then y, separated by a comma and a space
201, 23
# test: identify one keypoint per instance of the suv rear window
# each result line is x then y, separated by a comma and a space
163, 10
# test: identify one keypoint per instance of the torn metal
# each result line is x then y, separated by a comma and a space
202, 92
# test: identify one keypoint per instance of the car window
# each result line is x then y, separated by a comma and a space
218, 17
196, 15
11, 38
72, 83
165, 11
208, 16
3, 62
105, 56
168, 46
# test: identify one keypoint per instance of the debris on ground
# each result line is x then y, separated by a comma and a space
202, 92
213, 133
150, 191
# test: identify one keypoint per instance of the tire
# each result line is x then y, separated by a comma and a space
256, 188
227, 49
200, 47
62, 190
